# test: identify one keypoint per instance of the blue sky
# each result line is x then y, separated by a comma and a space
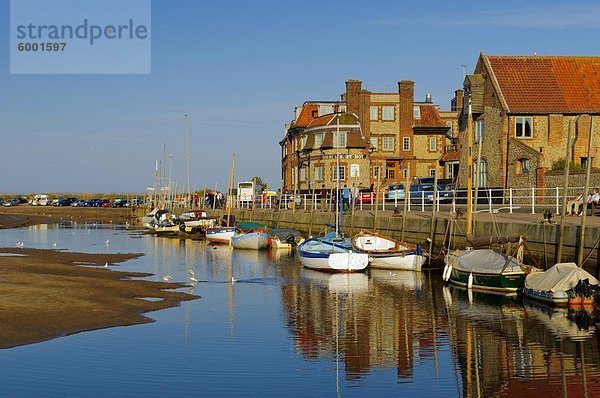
238, 68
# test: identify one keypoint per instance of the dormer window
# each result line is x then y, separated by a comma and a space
417, 112
340, 139
523, 127
318, 140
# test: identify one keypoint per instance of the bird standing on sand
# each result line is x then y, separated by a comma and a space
54, 244
167, 278
193, 279
20, 244
233, 280
105, 265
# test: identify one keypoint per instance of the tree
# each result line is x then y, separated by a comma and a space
259, 181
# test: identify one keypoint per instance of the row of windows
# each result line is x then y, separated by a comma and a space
388, 112
523, 128
320, 172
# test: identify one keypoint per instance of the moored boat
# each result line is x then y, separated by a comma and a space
331, 253
562, 284
254, 240
486, 269
220, 235
388, 253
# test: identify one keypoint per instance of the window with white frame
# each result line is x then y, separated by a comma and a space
432, 144
354, 170
388, 143
405, 173
387, 113
479, 130
340, 139
303, 141
431, 172
341, 173
302, 174
374, 144
375, 172
523, 127
318, 140
482, 173
417, 112
406, 144
374, 110
319, 173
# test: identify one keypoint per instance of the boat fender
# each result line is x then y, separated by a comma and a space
470, 282
445, 273
419, 249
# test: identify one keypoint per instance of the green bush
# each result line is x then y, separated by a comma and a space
561, 163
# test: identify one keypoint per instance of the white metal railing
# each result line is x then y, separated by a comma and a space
491, 200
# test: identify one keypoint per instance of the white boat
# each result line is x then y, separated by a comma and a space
255, 240
389, 253
553, 285
220, 235
331, 253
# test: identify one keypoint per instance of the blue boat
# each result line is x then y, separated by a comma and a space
331, 253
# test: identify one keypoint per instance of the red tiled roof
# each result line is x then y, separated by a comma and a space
321, 121
430, 117
548, 84
306, 115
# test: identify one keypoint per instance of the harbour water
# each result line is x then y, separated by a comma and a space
282, 330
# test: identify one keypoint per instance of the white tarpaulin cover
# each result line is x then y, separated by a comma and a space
560, 278
486, 261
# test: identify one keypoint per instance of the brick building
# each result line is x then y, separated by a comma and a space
389, 136
406, 137
522, 106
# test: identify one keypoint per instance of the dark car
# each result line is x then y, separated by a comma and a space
93, 203
424, 192
120, 202
65, 201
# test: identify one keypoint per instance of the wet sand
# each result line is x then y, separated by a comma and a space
47, 294
24, 215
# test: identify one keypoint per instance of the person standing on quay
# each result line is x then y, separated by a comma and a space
354, 194
323, 194
345, 198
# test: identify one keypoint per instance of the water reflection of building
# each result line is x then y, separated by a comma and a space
498, 347
507, 349
383, 320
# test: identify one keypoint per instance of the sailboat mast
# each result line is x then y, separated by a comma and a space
229, 194
469, 168
187, 159
337, 172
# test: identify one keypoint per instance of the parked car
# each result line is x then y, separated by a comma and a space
420, 192
12, 202
395, 192
366, 196
105, 203
93, 203
64, 202
78, 203
1, 201
120, 202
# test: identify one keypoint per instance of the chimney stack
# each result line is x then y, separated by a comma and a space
458, 100
406, 90
353, 89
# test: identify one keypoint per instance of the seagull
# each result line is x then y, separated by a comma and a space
167, 278
393, 274
233, 280
20, 244
191, 272
105, 265
54, 244
193, 279
106, 242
